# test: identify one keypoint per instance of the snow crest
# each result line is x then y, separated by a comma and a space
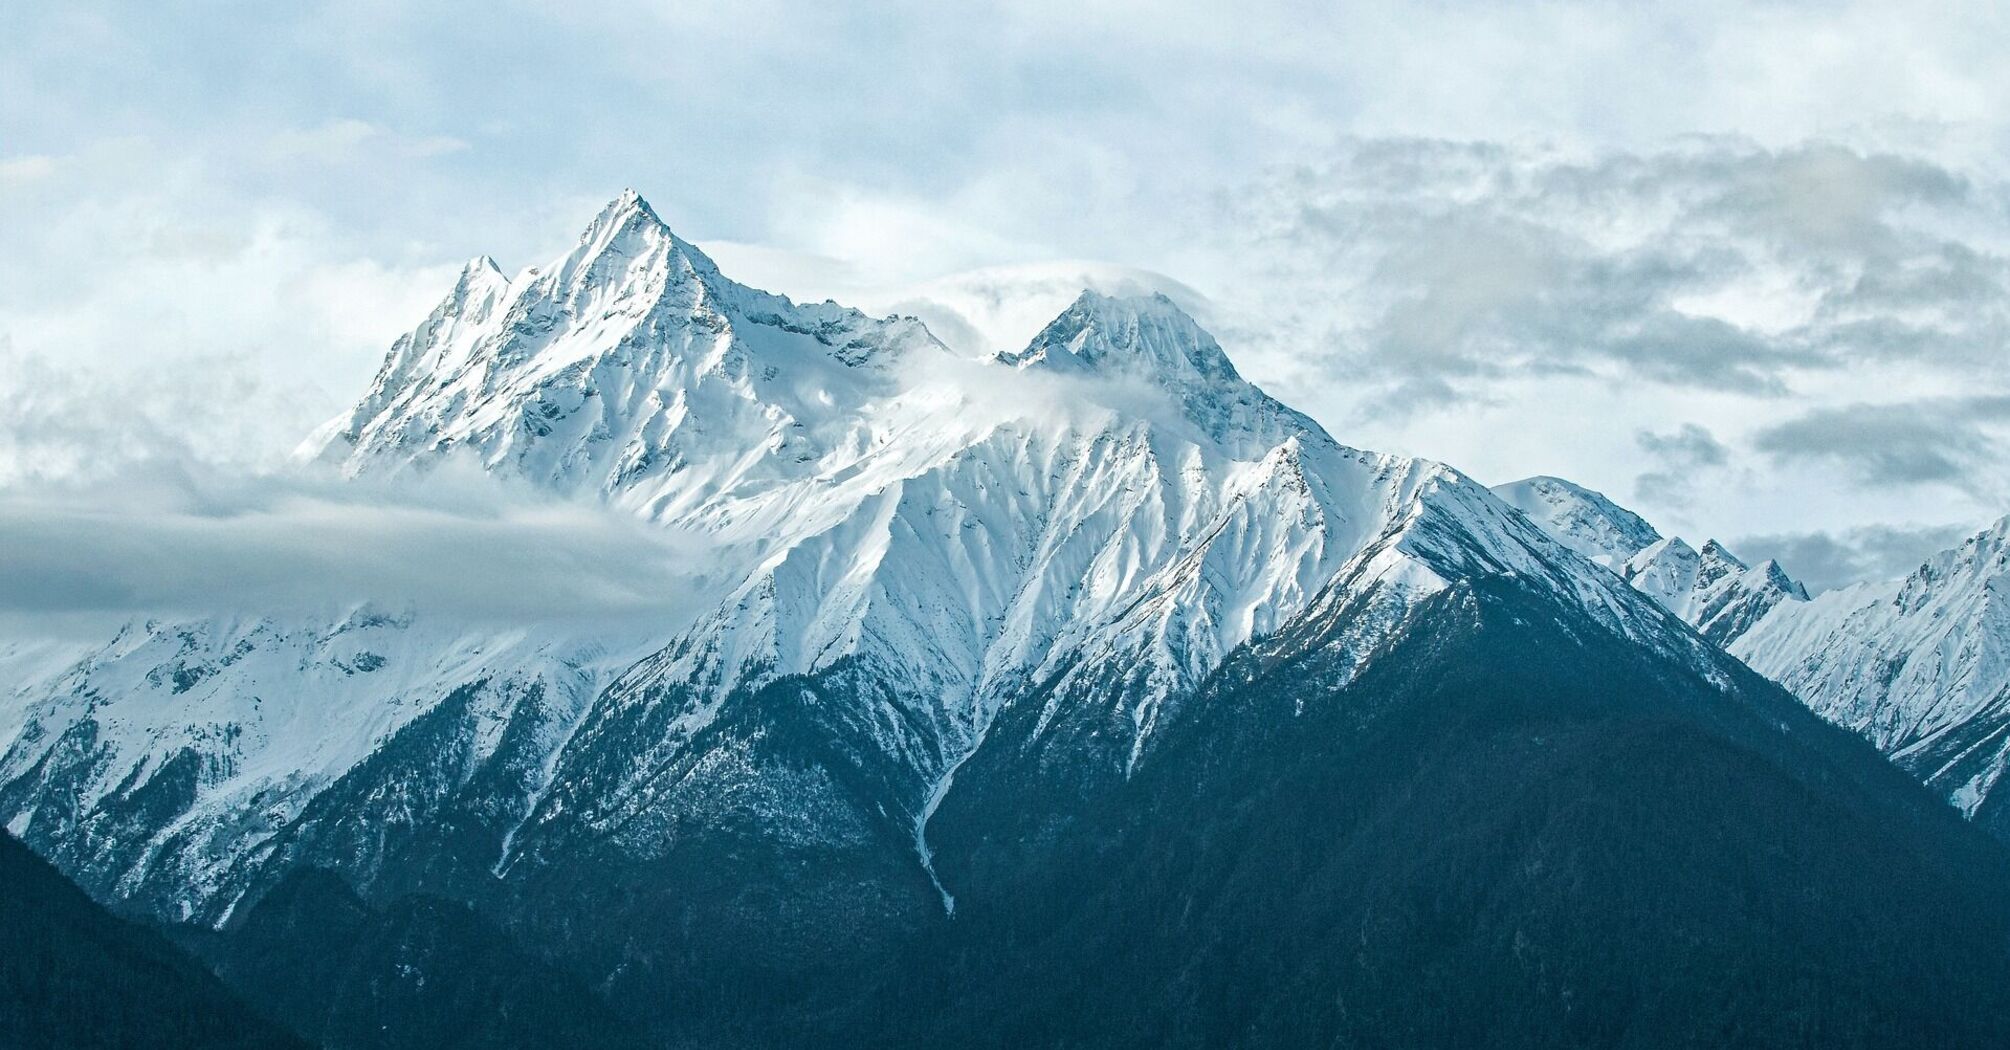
900, 542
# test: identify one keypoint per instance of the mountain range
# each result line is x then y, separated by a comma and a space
1919, 666
1079, 694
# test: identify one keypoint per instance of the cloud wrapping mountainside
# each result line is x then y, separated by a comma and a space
190, 541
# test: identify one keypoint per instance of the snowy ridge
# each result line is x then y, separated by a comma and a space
1580, 518
1711, 590
1920, 666
899, 543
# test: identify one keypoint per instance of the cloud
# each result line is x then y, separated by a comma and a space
72, 423
1681, 455
112, 507
348, 141
183, 283
1515, 308
29, 168
1949, 441
1823, 560
1468, 263
195, 542
1436, 240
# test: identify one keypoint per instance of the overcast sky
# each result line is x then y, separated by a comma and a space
1744, 267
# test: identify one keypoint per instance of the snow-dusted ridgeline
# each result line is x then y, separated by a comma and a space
1920, 666
900, 543
1710, 589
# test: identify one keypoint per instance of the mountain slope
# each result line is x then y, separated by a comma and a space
1580, 518
1710, 589
157, 763
950, 625
1511, 828
420, 973
74, 975
1919, 666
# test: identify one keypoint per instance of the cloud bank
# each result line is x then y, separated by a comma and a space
1823, 561
191, 542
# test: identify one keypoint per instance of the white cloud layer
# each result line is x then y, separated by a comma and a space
178, 539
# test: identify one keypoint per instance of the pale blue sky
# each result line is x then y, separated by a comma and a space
1718, 260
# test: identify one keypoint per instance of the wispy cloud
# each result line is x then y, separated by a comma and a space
193, 542
1679, 457
1468, 263
1520, 309
1944, 441
1824, 560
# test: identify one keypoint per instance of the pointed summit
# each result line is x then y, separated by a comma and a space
627, 206
626, 259
481, 285
628, 228
1775, 575
626, 358
436, 348
1148, 339
1714, 550
480, 265
1665, 569
1132, 336
1583, 519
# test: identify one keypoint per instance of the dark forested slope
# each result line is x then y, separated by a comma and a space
74, 975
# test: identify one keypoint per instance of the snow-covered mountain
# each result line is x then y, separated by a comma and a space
955, 629
1581, 519
1920, 666
1710, 589
1097, 519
